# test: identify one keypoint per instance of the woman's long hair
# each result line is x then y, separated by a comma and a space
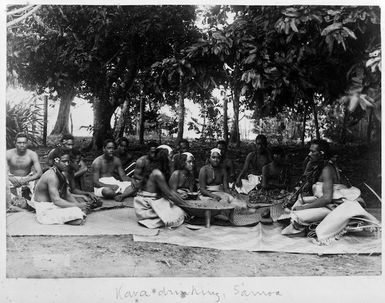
181, 162
160, 162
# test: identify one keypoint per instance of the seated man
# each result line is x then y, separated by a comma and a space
275, 174
23, 168
142, 163
155, 204
103, 169
76, 188
52, 200
182, 179
213, 181
253, 164
275, 181
328, 193
122, 153
78, 168
67, 143
226, 162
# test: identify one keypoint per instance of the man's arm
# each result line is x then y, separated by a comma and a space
226, 188
265, 177
167, 193
120, 170
173, 182
139, 170
244, 169
82, 169
53, 184
77, 191
327, 191
36, 166
231, 176
203, 184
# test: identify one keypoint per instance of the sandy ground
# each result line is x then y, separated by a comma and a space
120, 256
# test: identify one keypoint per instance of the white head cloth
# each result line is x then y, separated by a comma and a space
215, 150
164, 146
188, 154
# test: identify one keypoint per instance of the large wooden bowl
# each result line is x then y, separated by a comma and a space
206, 208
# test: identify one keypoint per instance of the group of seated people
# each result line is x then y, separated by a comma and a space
162, 182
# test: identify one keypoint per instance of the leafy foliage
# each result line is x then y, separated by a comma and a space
211, 128
24, 117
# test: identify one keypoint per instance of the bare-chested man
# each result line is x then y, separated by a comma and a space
226, 162
104, 168
122, 153
52, 200
253, 165
275, 174
23, 167
142, 163
77, 170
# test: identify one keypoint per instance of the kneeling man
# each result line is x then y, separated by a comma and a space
52, 200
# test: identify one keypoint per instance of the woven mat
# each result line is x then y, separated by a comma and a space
277, 212
264, 238
111, 203
121, 221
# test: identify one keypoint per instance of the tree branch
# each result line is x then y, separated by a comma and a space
13, 22
16, 11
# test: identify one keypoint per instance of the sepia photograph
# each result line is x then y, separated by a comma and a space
226, 151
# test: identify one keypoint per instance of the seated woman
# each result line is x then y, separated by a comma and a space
213, 181
182, 179
329, 197
156, 205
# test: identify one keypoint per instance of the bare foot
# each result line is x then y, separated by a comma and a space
118, 198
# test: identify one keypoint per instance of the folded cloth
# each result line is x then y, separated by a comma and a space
340, 191
217, 190
249, 184
154, 212
111, 181
334, 224
315, 215
49, 213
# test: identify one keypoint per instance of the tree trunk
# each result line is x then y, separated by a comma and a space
304, 126
369, 130
203, 135
141, 120
181, 112
103, 111
317, 133
72, 124
45, 120
121, 123
344, 126
225, 120
61, 125
235, 138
